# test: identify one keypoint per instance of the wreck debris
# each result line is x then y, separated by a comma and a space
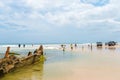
12, 62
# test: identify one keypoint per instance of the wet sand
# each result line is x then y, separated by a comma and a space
87, 64
76, 64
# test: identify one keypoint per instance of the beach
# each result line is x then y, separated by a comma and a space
59, 40
81, 63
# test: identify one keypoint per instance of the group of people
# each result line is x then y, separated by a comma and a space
19, 45
74, 46
63, 47
71, 46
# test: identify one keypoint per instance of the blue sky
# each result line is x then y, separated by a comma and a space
59, 21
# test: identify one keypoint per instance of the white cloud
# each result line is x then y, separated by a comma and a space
1, 4
60, 13
43, 4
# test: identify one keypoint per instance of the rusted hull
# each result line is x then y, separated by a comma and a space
8, 65
11, 62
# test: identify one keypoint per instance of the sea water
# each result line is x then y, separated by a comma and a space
77, 64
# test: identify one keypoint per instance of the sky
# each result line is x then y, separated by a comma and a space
59, 21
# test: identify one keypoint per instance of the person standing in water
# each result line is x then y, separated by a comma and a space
19, 45
64, 47
71, 46
75, 45
24, 45
82, 47
91, 47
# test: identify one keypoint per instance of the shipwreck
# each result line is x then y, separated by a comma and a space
11, 62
